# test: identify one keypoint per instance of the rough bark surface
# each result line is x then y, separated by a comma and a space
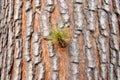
93, 52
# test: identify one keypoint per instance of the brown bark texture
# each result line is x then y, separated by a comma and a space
93, 52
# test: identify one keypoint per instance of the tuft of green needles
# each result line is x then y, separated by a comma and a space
58, 36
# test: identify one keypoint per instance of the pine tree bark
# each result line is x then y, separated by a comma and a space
93, 52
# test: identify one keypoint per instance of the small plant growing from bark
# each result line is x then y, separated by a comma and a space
59, 37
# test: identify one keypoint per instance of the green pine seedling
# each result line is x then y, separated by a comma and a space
59, 37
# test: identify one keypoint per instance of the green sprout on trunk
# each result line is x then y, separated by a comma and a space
59, 37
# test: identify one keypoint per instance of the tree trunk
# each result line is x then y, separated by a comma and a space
93, 52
